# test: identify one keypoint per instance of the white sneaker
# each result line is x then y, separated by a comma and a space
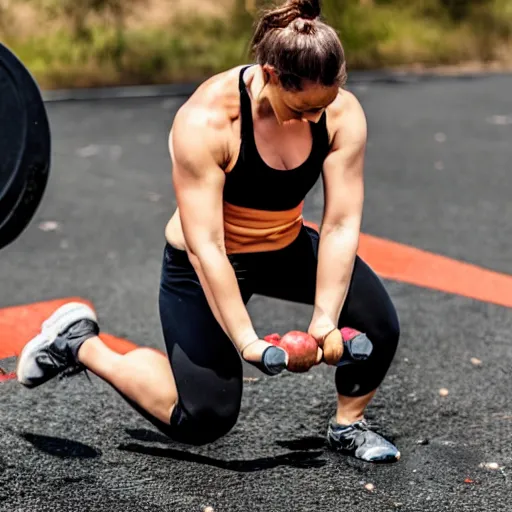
55, 348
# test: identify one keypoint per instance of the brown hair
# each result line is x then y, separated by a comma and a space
300, 46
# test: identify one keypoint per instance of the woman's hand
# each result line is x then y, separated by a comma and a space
268, 358
329, 339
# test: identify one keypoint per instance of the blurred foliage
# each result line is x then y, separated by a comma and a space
80, 15
92, 42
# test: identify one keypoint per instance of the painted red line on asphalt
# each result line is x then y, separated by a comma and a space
19, 324
399, 262
389, 260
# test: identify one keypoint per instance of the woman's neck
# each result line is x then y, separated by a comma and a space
258, 90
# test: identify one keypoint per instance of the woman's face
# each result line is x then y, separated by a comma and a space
307, 104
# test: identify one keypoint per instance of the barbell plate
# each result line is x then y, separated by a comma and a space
25, 147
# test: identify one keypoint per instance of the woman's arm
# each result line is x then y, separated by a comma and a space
339, 234
198, 143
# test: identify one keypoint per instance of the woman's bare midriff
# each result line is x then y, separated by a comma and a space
174, 232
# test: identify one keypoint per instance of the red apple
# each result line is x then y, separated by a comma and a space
302, 349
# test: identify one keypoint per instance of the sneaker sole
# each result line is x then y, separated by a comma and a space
59, 321
65, 316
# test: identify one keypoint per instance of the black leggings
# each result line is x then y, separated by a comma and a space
206, 365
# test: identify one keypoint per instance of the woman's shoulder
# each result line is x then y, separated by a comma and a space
345, 105
217, 99
345, 114
206, 121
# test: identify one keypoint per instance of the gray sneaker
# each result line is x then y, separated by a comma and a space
357, 440
55, 349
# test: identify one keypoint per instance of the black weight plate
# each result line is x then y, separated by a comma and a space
25, 147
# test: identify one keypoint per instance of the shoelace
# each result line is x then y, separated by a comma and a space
74, 370
353, 432
364, 425
371, 425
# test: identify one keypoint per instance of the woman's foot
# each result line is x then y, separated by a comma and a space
55, 349
357, 440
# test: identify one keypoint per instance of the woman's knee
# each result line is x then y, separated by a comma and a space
204, 423
391, 332
360, 379
385, 338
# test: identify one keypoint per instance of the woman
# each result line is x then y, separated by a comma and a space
246, 148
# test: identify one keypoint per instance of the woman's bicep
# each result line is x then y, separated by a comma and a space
343, 173
198, 183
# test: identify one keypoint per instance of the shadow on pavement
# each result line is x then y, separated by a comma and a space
302, 444
59, 447
142, 434
305, 443
304, 460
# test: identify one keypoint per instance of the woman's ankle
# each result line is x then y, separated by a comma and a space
92, 349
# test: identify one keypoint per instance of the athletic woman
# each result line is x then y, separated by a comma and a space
246, 148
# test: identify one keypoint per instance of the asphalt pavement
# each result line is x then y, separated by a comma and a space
438, 177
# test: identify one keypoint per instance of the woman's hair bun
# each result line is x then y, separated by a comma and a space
303, 26
309, 9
